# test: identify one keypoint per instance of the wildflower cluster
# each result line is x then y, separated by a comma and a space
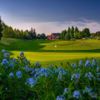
21, 80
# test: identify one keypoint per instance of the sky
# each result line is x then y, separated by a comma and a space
48, 16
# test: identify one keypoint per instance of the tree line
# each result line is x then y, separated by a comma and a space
96, 35
67, 34
1, 28
8, 32
75, 33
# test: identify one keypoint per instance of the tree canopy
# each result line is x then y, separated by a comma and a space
75, 33
1, 28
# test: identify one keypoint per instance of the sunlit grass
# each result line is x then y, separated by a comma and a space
57, 51
53, 57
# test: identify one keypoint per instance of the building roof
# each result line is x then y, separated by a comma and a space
55, 33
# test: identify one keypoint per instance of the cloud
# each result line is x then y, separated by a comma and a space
49, 27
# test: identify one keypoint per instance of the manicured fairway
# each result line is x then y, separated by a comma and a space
48, 52
53, 57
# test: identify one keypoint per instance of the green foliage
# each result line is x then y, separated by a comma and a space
75, 33
69, 34
1, 28
63, 34
20, 80
86, 33
78, 34
32, 33
72, 32
46, 52
41, 36
9, 32
96, 35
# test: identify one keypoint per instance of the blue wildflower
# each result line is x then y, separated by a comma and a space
61, 73
11, 64
44, 72
19, 74
31, 82
80, 63
61, 70
75, 76
11, 74
4, 62
89, 75
76, 94
94, 63
61, 97
39, 72
66, 90
27, 69
6, 55
3, 50
87, 63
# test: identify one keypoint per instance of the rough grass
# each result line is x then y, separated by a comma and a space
48, 52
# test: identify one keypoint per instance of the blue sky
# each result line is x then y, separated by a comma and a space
51, 15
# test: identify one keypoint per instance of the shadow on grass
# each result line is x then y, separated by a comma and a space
73, 51
37, 46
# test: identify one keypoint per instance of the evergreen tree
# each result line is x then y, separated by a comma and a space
1, 28
32, 34
86, 32
72, 32
63, 34
8, 32
43, 36
77, 33
69, 34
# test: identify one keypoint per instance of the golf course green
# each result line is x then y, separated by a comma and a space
53, 51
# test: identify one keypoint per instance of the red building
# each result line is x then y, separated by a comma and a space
53, 36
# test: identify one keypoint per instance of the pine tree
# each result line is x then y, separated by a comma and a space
63, 34
69, 34
77, 33
72, 32
32, 33
1, 29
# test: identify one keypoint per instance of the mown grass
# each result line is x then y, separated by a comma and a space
57, 51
